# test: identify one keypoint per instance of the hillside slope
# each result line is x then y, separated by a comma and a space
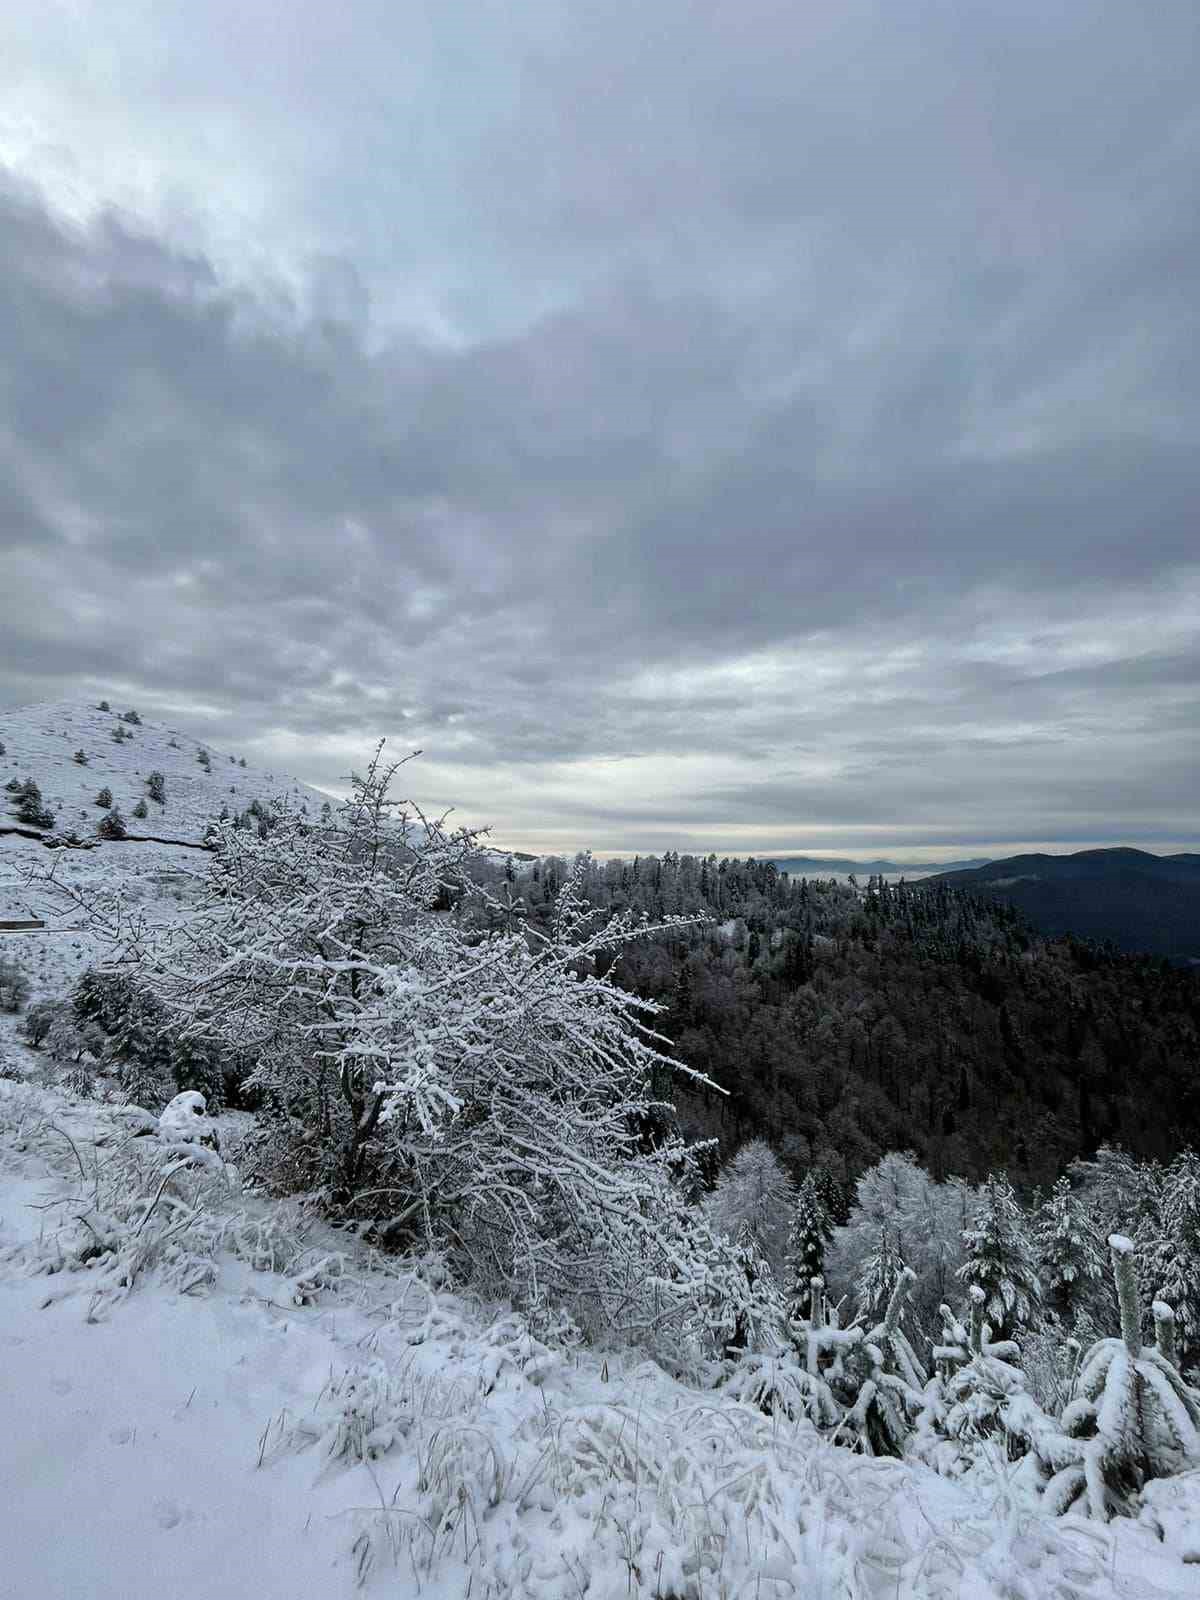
1130, 898
156, 869
41, 740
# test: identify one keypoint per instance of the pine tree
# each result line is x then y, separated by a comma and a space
156, 787
1070, 1252
878, 1275
1173, 1251
112, 825
1000, 1259
141, 810
810, 1232
104, 798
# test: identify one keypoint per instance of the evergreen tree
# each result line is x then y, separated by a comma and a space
1000, 1259
30, 807
156, 787
112, 825
80, 758
878, 1275
1173, 1253
105, 798
1070, 1252
141, 810
810, 1232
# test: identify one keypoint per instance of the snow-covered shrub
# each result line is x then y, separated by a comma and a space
104, 798
490, 1094
185, 1120
1132, 1418
14, 985
37, 1022
142, 1207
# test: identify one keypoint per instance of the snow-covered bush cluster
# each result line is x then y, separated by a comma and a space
489, 1092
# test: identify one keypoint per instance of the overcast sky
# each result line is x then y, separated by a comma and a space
758, 426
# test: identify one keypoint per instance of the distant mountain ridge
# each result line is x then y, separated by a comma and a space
824, 866
1130, 898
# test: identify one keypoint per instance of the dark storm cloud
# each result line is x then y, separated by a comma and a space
738, 420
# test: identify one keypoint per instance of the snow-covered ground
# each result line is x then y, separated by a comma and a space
270, 1411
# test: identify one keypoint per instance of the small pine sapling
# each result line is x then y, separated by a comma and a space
80, 758
141, 810
156, 787
882, 1382
104, 798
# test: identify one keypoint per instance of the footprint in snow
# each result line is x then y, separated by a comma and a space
167, 1514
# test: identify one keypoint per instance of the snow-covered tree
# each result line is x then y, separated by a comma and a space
809, 1233
1172, 1251
1132, 1418
1000, 1259
1069, 1251
925, 1219
878, 1274
1124, 1194
112, 825
487, 1094
753, 1198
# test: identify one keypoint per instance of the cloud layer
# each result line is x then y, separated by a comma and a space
748, 428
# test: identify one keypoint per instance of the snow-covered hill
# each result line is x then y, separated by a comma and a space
41, 741
157, 867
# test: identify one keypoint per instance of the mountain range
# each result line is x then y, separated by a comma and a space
1128, 898
841, 866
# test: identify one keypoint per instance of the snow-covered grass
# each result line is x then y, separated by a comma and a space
302, 1416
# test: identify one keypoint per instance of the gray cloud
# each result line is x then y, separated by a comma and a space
771, 431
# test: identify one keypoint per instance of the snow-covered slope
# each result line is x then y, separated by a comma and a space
41, 740
230, 1402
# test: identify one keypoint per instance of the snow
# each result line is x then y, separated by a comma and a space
292, 1431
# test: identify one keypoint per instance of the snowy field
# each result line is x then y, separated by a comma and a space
213, 1396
